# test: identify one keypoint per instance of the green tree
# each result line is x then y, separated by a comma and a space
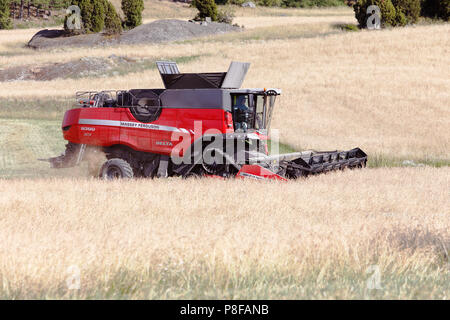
113, 24
132, 9
409, 8
444, 11
206, 8
5, 21
388, 12
92, 14
436, 9
268, 3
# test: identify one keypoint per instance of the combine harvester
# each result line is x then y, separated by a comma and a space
201, 124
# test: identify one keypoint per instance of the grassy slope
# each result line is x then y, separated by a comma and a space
26, 141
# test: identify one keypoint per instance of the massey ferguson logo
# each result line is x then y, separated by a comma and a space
138, 125
249, 175
164, 143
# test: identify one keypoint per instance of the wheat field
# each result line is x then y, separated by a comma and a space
377, 233
316, 238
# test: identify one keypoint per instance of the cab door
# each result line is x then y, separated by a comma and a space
242, 112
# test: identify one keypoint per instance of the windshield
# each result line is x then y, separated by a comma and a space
252, 111
263, 111
260, 106
242, 113
269, 110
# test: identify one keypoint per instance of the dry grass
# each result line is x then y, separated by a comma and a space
287, 12
311, 238
156, 9
259, 22
25, 141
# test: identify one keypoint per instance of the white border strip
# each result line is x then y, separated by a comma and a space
129, 124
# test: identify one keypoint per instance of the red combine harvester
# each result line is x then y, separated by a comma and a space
200, 124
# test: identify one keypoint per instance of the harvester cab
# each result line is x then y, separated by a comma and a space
252, 109
198, 124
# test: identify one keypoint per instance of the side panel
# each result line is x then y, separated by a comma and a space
173, 126
93, 126
201, 119
149, 137
110, 126
199, 122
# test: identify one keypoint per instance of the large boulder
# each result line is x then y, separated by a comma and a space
154, 32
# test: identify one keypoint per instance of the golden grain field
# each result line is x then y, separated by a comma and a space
174, 238
378, 233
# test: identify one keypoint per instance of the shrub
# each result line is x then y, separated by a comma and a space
436, 9
92, 14
407, 9
225, 15
132, 9
268, 3
311, 3
400, 19
348, 27
388, 13
236, 2
5, 21
98, 16
444, 11
206, 8
113, 24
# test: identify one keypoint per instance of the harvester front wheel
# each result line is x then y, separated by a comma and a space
116, 169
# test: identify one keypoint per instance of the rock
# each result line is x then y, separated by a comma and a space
46, 33
36, 70
154, 32
249, 4
72, 69
120, 60
409, 163
172, 30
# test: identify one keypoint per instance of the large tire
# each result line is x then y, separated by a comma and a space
116, 169
214, 168
196, 173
